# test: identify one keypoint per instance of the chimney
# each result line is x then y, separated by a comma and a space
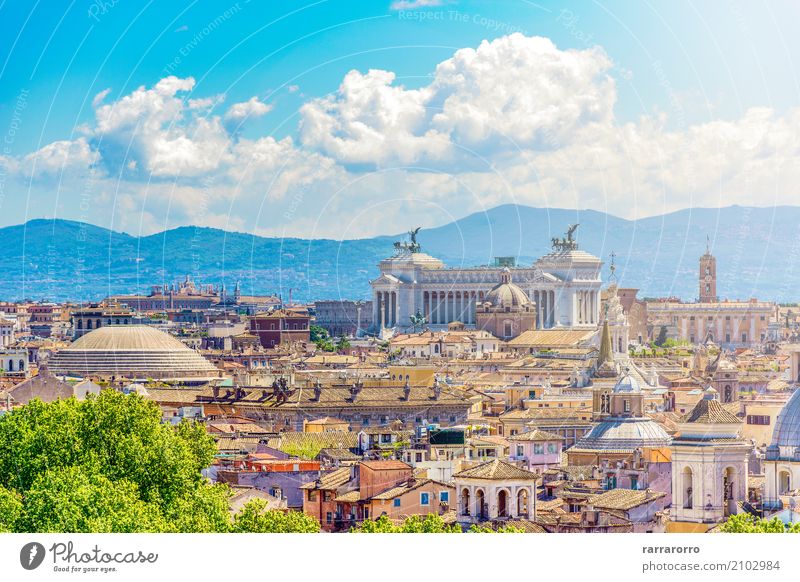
437, 388
355, 389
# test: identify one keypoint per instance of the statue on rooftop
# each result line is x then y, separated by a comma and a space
568, 243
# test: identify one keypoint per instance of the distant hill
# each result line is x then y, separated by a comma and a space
757, 249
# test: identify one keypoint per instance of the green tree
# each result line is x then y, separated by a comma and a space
430, 523
318, 334
108, 463
10, 510
747, 523
342, 344
75, 500
662, 336
255, 518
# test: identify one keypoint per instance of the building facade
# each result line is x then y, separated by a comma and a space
709, 463
343, 317
564, 285
728, 323
281, 326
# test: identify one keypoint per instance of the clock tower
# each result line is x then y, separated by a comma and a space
708, 276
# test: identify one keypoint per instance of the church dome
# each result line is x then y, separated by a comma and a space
624, 434
506, 294
787, 427
628, 384
134, 351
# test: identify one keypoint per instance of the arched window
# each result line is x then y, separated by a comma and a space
688, 492
11, 365
21, 366
481, 509
98, 324
784, 482
522, 503
88, 324
465, 501
502, 503
80, 324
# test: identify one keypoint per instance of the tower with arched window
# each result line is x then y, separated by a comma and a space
709, 463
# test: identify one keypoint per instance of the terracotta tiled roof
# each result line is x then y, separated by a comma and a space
536, 435
405, 488
552, 338
384, 465
330, 480
349, 497
497, 470
625, 499
708, 411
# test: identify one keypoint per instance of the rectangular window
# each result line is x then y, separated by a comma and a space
627, 405
538, 449
552, 448
424, 498
329, 517
397, 502
520, 450
419, 457
444, 496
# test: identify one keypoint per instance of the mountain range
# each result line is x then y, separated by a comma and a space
757, 250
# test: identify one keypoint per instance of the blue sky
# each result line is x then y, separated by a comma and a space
635, 108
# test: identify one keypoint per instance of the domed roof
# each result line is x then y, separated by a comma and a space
127, 337
628, 384
787, 427
506, 294
624, 434
137, 351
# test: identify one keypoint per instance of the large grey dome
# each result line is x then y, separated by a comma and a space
624, 434
134, 351
787, 427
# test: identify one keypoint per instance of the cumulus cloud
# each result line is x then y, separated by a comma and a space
515, 92
251, 108
514, 120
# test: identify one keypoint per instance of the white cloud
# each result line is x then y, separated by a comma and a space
413, 4
515, 120
250, 108
514, 92
60, 157
98, 99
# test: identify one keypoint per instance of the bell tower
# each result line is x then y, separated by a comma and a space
708, 276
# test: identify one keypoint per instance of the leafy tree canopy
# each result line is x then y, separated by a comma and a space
430, 523
747, 523
108, 464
